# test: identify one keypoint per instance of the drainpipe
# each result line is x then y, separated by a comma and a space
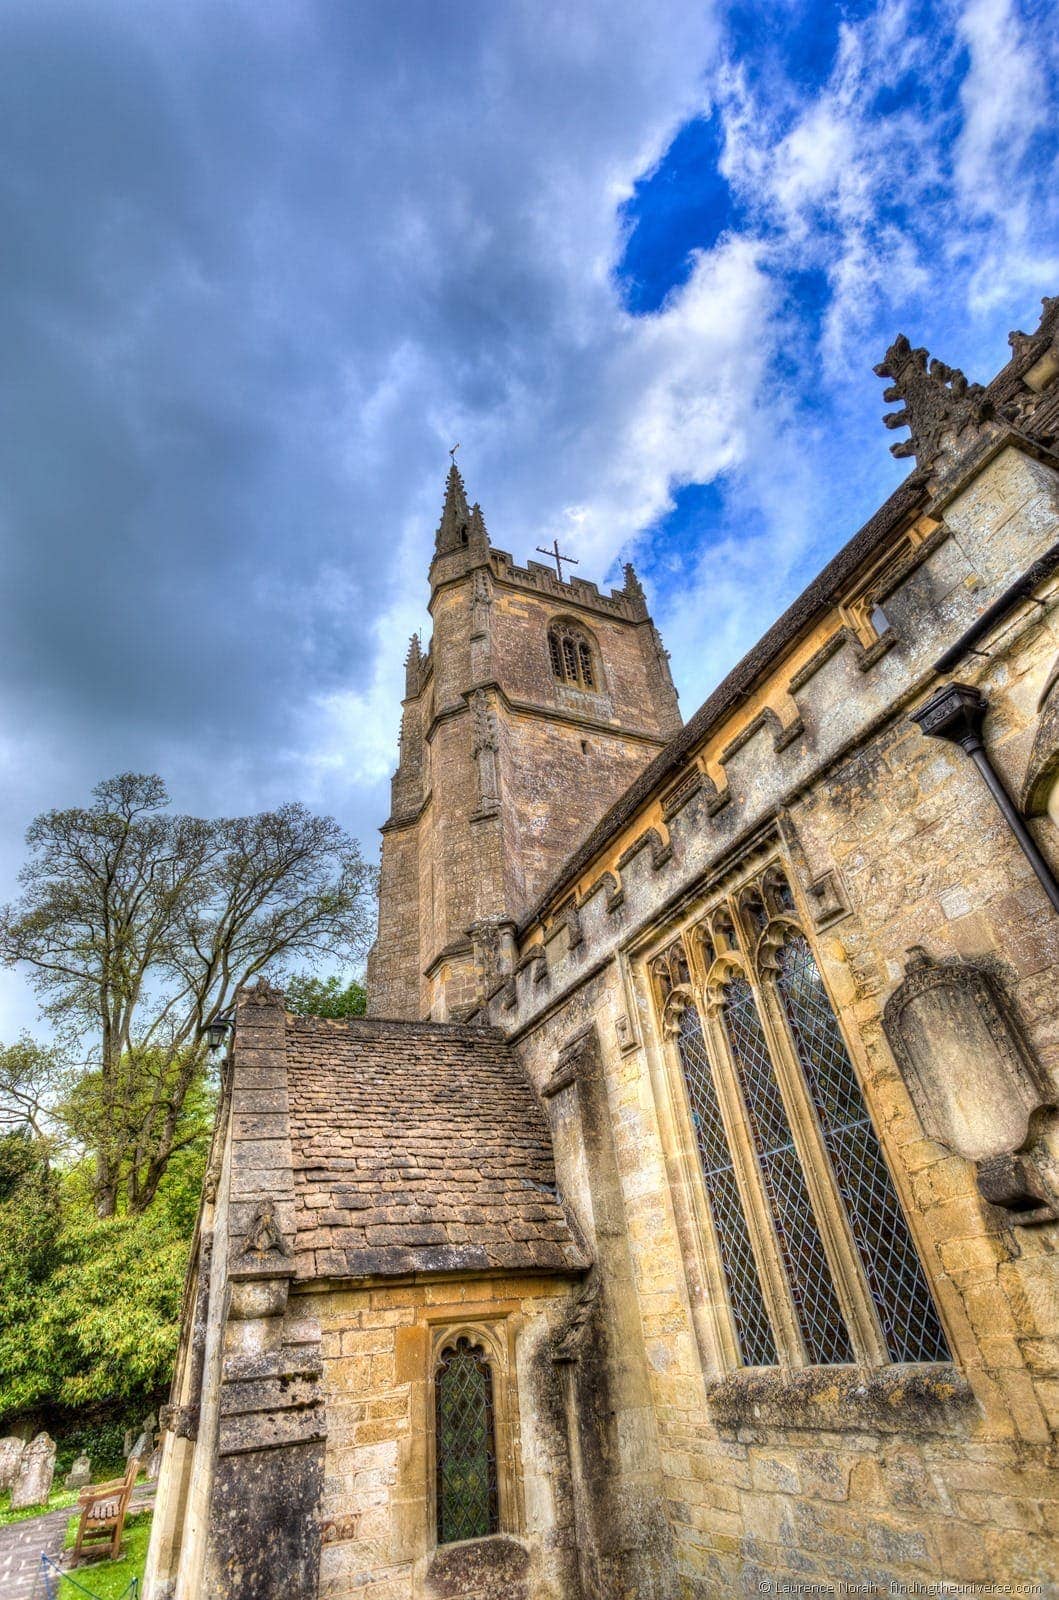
956, 712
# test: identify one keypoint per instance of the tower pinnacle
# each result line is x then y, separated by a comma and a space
454, 527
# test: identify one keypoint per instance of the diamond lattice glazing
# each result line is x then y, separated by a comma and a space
466, 1451
816, 1304
895, 1277
756, 1343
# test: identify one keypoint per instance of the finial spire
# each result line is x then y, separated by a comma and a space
413, 667
477, 526
938, 405
634, 588
454, 527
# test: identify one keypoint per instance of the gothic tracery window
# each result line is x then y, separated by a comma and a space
571, 655
818, 1263
468, 1505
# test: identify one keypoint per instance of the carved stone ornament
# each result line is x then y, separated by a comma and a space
939, 405
971, 1076
263, 1237
1042, 769
262, 993
259, 1277
486, 733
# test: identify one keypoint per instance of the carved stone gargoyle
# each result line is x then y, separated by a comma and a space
972, 1077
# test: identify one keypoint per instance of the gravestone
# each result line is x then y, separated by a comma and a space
144, 1443
79, 1475
35, 1472
154, 1466
10, 1455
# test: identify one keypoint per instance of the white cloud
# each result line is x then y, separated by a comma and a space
256, 287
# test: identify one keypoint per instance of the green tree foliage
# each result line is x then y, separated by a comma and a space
89, 1305
325, 997
139, 926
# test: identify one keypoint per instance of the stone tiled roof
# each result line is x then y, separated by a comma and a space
418, 1147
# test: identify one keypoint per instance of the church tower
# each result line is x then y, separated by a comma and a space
536, 704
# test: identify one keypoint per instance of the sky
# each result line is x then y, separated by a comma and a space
263, 264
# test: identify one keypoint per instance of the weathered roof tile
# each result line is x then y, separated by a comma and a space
418, 1147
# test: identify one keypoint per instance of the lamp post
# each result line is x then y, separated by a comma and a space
216, 1031
956, 712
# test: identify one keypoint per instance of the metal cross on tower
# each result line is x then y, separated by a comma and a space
571, 561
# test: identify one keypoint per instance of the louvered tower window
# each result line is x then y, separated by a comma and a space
571, 655
468, 1504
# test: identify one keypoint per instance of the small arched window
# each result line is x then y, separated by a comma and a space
572, 656
468, 1498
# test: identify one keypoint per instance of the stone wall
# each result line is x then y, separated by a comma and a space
379, 1346
892, 842
503, 769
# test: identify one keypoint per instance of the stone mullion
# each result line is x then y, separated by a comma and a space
821, 1182
756, 1208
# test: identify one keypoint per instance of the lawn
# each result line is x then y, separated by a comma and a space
109, 1580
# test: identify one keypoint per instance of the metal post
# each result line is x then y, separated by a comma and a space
955, 712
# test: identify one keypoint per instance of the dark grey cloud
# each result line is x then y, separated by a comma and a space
262, 263
258, 263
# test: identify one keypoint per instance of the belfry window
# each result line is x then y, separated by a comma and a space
468, 1504
571, 655
817, 1261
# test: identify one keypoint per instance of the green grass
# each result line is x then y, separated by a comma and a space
108, 1580
58, 1498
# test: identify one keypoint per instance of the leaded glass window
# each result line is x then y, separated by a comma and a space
895, 1277
467, 1496
757, 1347
812, 1288
818, 1260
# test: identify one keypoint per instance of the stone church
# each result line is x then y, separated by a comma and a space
681, 1222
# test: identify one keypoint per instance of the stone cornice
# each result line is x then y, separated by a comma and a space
528, 708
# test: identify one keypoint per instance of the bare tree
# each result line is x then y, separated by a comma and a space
140, 926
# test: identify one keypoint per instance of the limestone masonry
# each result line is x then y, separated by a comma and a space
682, 1220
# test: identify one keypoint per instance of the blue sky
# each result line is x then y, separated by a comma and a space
264, 264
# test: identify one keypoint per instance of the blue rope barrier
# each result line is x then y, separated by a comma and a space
52, 1586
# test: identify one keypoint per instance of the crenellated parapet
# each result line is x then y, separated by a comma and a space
629, 603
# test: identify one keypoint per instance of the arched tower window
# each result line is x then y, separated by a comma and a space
572, 656
467, 1495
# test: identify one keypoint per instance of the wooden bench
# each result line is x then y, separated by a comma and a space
104, 1507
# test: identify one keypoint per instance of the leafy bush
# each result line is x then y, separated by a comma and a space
325, 997
89, 1306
